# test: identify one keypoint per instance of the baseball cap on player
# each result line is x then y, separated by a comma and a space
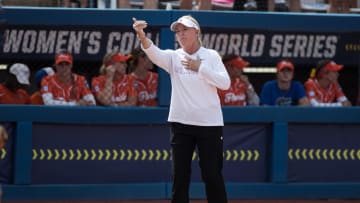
40, 74
332, 66
235, 61
324, 66
120, 58
187, 21
285, 64
22, 73
117, 57
63, 57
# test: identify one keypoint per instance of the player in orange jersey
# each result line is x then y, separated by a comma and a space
36, 97
66, 87
241, 91
145, 80
13, 89
114, 87
323, 88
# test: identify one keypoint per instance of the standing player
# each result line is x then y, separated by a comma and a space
195, 114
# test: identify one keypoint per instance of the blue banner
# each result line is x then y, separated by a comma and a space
325, 153
267, 46
259, 46
135, 153
141, 153
87, 43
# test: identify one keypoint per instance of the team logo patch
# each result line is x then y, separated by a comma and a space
97, 88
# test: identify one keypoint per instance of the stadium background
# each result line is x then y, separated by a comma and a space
89, 67
58, 18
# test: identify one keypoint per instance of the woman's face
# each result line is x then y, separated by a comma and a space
332, 76
285, 75
144, 62
120, 67
233, 71
63, 69
186, 36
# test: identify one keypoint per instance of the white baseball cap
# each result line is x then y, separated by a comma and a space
49, 70
40, 74
186, 21
22, 73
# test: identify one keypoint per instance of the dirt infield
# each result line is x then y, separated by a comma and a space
198, 201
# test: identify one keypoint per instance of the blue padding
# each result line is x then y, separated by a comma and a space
86, 192
163, 191
140, 115
23, 147
279, 156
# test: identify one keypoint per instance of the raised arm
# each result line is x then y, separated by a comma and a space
139, 26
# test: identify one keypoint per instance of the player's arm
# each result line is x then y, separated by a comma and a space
87, 98
252, 98
131, 101
48, 96
139, 26
104, 96
340, 96
304, 101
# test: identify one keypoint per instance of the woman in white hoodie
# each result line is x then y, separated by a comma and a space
195, 115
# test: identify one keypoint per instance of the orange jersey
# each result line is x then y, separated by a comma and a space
235, 95
36, 98
9, 97
146, 89
74, 91
122, 89
314, 91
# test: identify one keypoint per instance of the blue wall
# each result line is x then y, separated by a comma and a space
278, 185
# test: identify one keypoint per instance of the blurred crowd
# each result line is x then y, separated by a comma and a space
329, 6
